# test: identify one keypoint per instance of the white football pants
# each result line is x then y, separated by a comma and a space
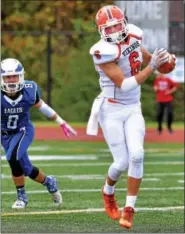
123, 127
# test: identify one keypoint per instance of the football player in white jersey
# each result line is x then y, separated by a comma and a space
118, 57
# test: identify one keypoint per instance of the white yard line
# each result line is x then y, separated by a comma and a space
95, 177
98, 164
154, 154
155, 150
39, 148
96, 190
88, 157
165, 163
165, 174
59, 157
181, 181
80, 177
89, 210
102, 176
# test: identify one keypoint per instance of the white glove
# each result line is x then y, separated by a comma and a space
159, 57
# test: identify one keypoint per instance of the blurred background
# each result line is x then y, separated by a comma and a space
52, 40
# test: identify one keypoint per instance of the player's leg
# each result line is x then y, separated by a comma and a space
169, 116
114, 135
33, 172
134, 132
39, 176
160, 114
10, 143
19, 181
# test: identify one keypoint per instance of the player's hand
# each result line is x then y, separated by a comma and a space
159, 57
68, 130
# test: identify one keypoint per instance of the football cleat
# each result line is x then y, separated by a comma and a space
51, 185
21, 201
110, 206
19, 204
57, 197
127, 217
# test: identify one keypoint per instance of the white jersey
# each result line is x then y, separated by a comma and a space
128, 56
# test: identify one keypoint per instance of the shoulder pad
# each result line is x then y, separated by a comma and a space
30, 83
31, 90
134, 30
104, 52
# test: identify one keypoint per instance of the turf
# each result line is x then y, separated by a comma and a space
80, 182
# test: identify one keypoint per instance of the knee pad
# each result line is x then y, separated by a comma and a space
34, 173
121, 165
136, 163
137, 156
113, 173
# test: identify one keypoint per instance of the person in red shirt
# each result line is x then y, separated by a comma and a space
164, 87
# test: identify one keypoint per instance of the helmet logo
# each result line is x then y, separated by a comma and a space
97, 54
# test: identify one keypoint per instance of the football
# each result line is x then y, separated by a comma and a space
169, 66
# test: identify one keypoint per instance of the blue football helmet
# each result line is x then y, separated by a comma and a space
11, 67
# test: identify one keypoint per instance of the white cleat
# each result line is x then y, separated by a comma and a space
19, 204
57, 197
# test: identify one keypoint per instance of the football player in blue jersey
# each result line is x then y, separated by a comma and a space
17, 131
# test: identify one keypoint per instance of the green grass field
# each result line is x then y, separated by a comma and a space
80, 168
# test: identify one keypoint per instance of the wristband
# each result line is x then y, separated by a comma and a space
129, 84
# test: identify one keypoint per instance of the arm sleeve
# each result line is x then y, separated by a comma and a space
49, 112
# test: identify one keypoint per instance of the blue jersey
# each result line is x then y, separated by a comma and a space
15, 113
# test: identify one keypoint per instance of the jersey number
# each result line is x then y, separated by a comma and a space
134, 64
28, 86
12, 121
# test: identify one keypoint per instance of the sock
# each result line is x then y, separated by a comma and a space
108, 189
20, 188
45, 182
130, 201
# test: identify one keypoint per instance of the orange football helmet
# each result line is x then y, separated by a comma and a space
111, 16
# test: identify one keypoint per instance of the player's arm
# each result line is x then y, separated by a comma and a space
114, 72
51, 114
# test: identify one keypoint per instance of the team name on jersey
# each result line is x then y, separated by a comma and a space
131, 48
13, 110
